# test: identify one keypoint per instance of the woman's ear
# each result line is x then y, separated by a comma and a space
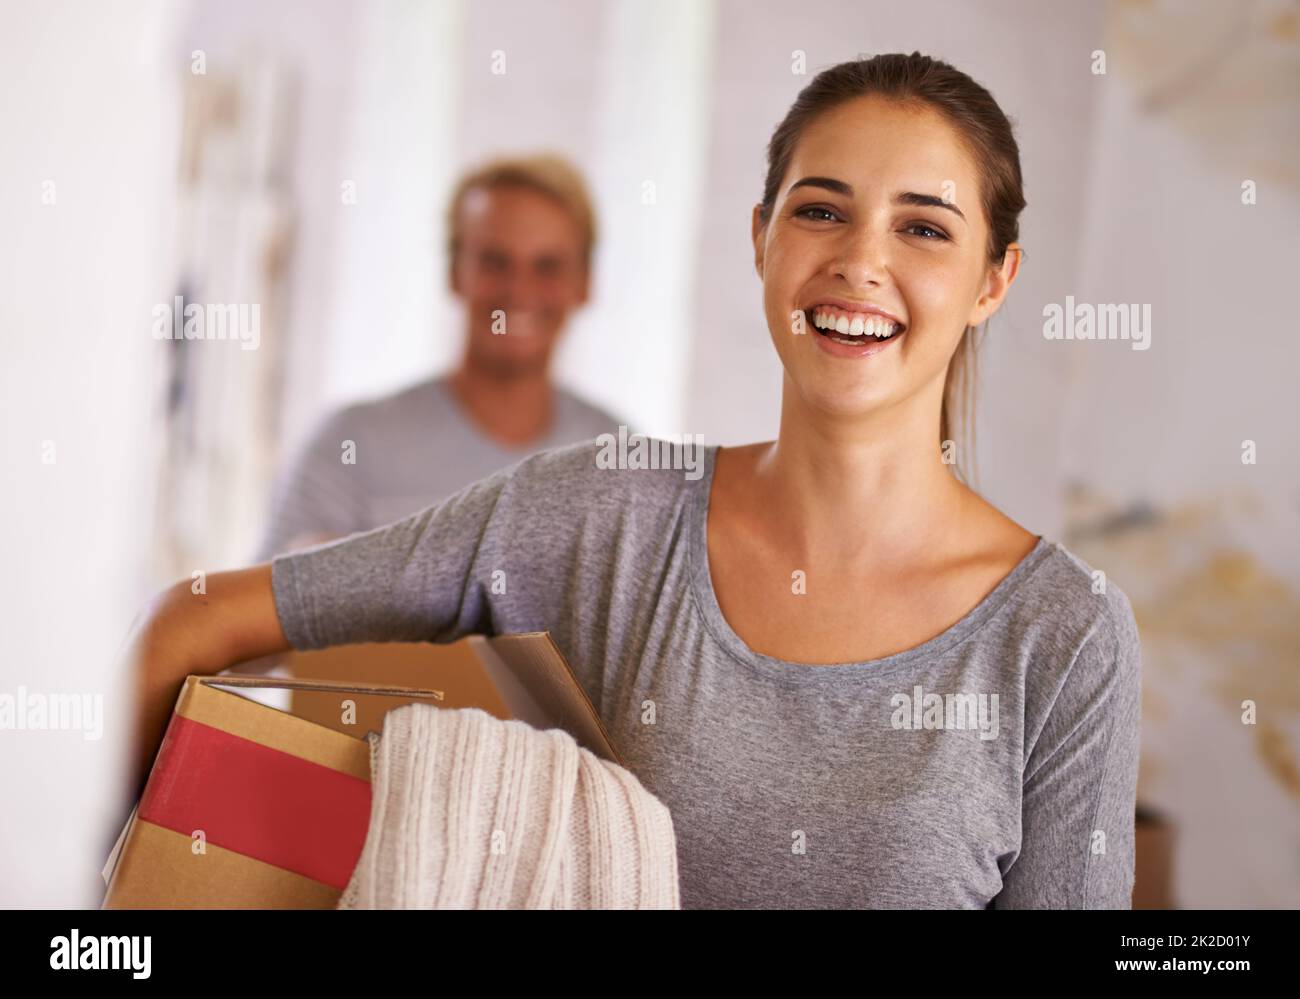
996, 285
758, 233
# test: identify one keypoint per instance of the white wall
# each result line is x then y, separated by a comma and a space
89, 107
632, 349
391, 315
319, 43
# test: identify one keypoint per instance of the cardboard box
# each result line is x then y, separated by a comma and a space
248, 806
1154, 849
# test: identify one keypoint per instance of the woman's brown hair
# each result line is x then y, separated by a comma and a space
919, 80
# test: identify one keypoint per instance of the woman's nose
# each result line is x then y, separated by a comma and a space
862, 255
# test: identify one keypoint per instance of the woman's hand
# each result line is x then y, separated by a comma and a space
182, 632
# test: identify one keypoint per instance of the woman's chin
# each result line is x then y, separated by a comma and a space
845, 401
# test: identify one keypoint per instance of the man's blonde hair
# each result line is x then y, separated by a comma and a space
544, 172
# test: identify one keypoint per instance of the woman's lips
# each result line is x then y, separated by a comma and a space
837, 348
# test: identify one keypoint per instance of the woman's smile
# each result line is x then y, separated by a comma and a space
852, 329
845, 345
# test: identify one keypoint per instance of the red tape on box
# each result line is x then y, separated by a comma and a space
260, 802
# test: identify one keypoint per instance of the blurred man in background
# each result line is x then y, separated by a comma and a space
521, 237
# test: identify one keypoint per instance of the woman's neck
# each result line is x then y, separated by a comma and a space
876, 489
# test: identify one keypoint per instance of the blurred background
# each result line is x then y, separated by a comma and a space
299, 154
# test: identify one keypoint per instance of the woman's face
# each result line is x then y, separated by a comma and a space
843, 229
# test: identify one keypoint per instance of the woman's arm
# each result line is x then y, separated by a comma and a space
420, 579
182, 632
264, 664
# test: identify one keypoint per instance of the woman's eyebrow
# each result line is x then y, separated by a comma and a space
926, 201
838, 186
902, 198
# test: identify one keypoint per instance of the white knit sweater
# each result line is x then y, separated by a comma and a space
472, 812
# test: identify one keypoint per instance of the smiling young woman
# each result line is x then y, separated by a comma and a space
852, 680
884, 237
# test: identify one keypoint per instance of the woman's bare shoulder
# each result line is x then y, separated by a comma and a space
1002, 542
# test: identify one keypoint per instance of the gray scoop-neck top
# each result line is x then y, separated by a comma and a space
702, 582
994, 765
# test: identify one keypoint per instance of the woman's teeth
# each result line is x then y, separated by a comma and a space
855, 326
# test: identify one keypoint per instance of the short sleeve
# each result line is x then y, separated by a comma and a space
1080, 780
423, 578
319, 494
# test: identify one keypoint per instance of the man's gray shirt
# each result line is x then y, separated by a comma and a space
376, 461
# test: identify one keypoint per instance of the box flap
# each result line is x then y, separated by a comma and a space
537, 685
452, 668
307, 683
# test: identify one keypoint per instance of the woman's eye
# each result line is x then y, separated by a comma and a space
817, 213
927, 228
803, 213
